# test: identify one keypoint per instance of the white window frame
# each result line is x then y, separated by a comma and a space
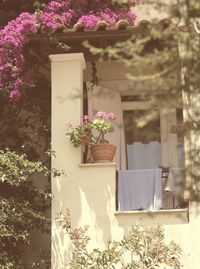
169, 149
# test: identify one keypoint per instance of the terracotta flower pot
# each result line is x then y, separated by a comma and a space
103, 152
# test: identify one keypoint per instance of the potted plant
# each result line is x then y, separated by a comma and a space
91, 133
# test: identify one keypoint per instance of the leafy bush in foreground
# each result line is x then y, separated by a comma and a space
22, 208
143, 248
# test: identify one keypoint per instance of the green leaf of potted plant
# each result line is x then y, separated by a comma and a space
91, 132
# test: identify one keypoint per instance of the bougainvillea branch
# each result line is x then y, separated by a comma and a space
57, 14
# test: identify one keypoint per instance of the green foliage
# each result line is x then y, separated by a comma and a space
24, 181
170, 47
164, 55
80, 135
153, 45
21, 206
141, 248
103, 127
25, 125
16, 169
92, 131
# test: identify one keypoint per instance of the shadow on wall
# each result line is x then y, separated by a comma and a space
90, 197
89, 193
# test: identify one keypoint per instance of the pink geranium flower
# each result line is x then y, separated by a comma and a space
92, 130
101, 114
86, 117
112, 116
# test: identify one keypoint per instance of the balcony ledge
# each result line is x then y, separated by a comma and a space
111, 164
162, 216
150, 212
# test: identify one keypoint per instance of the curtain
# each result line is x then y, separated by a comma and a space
144, 156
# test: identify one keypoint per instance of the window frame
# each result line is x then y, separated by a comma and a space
169, 141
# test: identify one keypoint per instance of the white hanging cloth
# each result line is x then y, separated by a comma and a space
173, 188
140, 189
144, 156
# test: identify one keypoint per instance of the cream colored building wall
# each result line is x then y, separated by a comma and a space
88, 190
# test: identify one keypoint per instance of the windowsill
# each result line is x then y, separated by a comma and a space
112, 164
162, 216
156, 211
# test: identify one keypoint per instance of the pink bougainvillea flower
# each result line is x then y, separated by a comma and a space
89, 21
56, 14
15, 95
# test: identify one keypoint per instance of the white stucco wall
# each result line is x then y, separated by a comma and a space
89, 190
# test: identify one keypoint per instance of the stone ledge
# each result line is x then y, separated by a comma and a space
157, 211
68, 57
162, 216
112, 164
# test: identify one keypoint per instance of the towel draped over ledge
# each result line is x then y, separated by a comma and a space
140, 189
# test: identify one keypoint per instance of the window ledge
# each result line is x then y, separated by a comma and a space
157, 211
162, 216
112, 164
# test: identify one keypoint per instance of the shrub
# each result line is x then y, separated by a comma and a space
142, 247
22, 207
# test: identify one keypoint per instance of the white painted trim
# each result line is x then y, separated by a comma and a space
169, 152
112, 164
130, 87
157, 211
164, 135
163, 216
137, 105
68, 57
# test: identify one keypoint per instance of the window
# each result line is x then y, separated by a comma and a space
143, 137
150, 157
155, 156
